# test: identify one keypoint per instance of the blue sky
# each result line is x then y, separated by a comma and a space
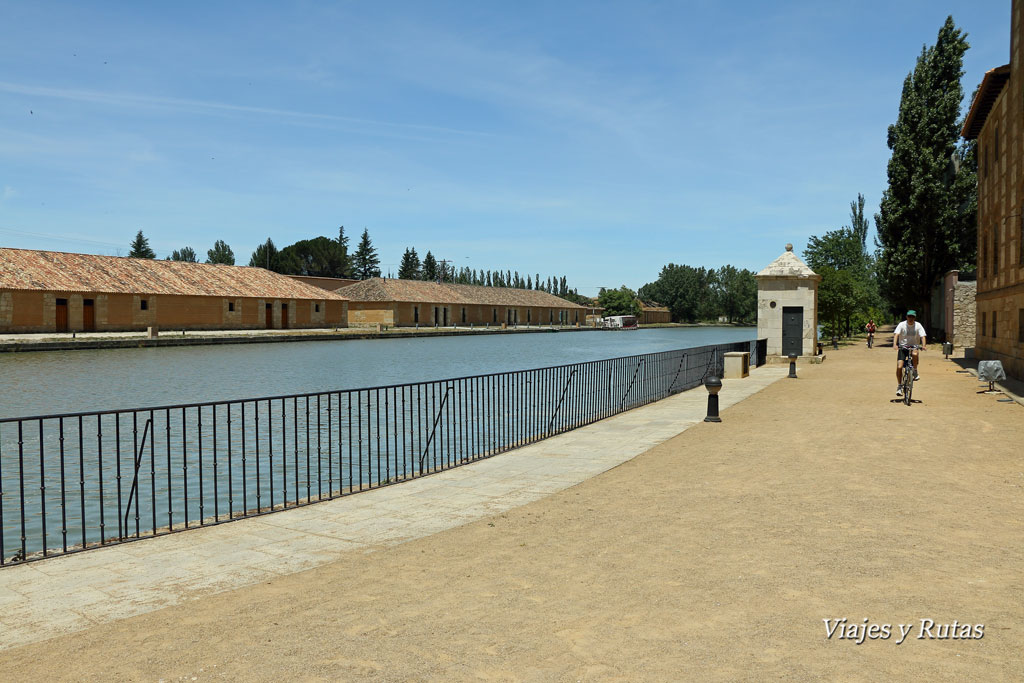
595, 140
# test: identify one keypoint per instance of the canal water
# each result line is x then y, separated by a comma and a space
77, 481
46, 383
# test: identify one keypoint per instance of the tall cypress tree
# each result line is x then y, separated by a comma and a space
926, 220
367, 264
344, 259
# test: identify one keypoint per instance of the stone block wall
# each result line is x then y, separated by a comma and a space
772, 297
6, 309
964, 314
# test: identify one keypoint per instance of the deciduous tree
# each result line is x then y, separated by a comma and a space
221, 253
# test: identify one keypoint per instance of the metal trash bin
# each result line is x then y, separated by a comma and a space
947, 349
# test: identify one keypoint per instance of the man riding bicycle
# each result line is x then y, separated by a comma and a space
870, 327
908, 334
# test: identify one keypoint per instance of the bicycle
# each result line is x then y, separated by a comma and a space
907, 383
871, 339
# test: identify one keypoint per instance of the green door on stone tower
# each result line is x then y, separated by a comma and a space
792, 330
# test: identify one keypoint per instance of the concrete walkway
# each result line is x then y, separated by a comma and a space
67, 594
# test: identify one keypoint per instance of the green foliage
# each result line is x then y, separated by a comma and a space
621, 301
577, 298
141, 248
685, 290
410, 267
926, 220
848, 291
318, 257
431, 272
266, 256
221, 253
701, 294
366, 262
734, 293
186, 254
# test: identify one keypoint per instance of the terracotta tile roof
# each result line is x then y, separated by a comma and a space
331, 284
66, 272
653, 306
417, 291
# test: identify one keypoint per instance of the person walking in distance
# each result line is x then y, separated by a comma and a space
870, 327
909, 333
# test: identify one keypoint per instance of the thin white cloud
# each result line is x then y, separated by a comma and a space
206, 106
8, 193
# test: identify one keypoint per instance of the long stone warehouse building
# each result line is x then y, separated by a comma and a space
48, 291
405, 303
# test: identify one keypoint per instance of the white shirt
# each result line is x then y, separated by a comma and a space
909, 336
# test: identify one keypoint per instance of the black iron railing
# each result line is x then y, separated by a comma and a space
77, 481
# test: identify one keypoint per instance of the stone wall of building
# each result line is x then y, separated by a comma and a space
964, 314
1000, 294
772, 297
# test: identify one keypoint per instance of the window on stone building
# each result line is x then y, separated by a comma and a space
415, 314
463, 315
144, 304
995, 249
983, 260
984, 330
1020, 237
994, 318
231, 307
316, 308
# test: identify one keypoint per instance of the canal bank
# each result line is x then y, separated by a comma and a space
81, 341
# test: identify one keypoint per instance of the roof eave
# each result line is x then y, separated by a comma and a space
991, 86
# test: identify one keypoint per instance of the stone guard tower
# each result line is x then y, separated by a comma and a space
787, 306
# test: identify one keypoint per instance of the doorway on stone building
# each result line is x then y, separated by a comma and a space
446, 316
62, 315
792, 330
88, 315
284, 316
270, 316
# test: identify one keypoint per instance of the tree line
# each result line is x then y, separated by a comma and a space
430, 269
693, 294
327, 257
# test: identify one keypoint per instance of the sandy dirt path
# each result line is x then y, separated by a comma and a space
716, 555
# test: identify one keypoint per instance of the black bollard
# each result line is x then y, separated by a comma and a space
792, 366
835, 342
713, 385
